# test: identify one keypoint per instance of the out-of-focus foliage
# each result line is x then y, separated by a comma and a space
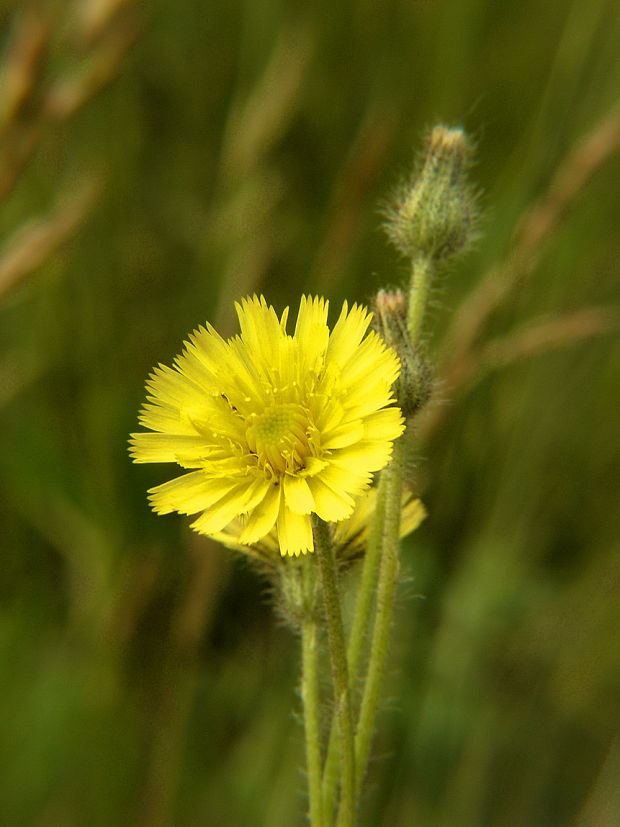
157, 161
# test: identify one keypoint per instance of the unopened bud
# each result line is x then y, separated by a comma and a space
390, 321
434, 214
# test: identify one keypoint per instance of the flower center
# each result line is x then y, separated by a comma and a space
279, 437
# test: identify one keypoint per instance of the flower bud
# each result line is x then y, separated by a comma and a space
434, 214
390, 321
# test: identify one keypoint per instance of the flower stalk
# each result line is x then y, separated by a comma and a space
343, 715
392, 480
422, 272
310, 648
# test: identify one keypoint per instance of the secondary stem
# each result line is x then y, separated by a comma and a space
388, 576
358, 636
342, 699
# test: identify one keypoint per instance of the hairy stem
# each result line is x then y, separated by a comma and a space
388, 576
358, 637
421, 277
343, 717
310, 700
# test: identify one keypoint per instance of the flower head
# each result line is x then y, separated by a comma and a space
275, 426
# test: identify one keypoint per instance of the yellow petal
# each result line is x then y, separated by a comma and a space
345, 477
263, 516
311, 331
297, 495
207, 346
363, 404
237, 501
330, 505
344, 435
261, 331
235, 374
372, 360
153, 447
165, 418
347, 334
169, 386
384, 425
313, 466
190, 493
294, 532
329, 414
197, 369
364, 457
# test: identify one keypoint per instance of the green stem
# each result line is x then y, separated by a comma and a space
343, 716
358, 636
419, 292
368, 586
310, 700
388, 576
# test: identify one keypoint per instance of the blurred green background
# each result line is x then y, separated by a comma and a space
159, 160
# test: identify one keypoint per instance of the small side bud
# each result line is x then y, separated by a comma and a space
434, 214
390, 321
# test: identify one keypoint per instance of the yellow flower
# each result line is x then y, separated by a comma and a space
277, 427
